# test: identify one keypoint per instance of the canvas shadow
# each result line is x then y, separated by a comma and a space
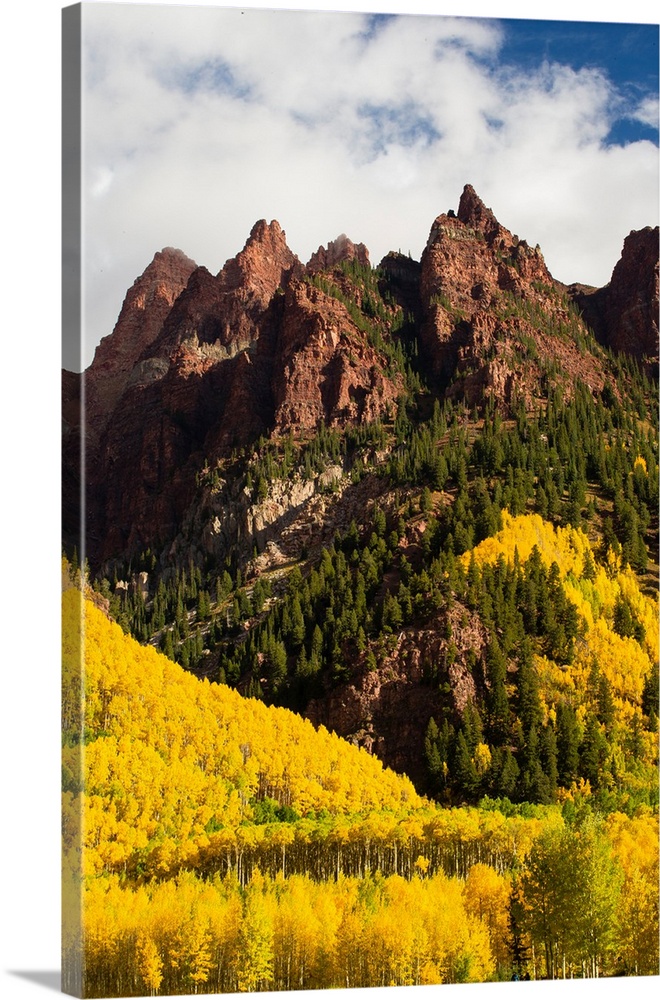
50, 979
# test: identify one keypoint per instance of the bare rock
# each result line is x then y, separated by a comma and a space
624, 314
337, 251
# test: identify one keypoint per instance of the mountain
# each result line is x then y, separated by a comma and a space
198, 365
290, 469
258, 348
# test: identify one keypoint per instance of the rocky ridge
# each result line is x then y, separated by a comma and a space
494, 320
199, 365
146, 306
223, 359
337, 251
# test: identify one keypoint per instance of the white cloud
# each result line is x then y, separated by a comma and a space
646, 112
198, 121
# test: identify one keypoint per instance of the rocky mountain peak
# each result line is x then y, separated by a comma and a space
264, 264
170, 258
263, 230
337, 251
146, 305
472, 212
482, 289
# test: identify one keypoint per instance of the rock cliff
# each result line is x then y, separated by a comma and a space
494, 321
200, 364
624, 314
147, 304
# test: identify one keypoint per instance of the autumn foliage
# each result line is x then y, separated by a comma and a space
217, 844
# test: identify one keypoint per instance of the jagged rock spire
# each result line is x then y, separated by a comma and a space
472, 211
264, 263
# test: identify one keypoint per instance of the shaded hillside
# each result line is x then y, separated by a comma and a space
624, 314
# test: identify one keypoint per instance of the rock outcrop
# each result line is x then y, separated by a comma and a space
494, 321
326, 370
147, 303
199, 364
387, 709
337, 251
145, 307
624, 314
227, 313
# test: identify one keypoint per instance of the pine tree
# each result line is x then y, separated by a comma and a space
568, 740
593, 752
464, 773
497, 698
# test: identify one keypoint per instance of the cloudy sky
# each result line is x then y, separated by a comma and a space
200, 120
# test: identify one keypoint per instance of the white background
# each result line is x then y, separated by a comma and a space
29, 571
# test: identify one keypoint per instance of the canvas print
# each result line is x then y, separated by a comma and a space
360, 500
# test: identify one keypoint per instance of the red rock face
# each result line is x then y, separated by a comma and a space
624, 314
341, 249
147, 303
483, 293
221, 360
326, 370
228, 312
632, 314
264, 264
145, 307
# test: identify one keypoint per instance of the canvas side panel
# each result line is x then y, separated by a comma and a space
72, 505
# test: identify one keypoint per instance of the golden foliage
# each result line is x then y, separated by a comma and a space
168, 757
281, 933
161, 771
624, 661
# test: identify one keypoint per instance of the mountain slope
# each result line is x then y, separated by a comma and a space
167, 757
301, 455
191, 875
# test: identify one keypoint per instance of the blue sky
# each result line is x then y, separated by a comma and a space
201, 120
627, 53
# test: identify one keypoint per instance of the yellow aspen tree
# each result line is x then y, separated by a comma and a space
149, 963
255, 955
487, 897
